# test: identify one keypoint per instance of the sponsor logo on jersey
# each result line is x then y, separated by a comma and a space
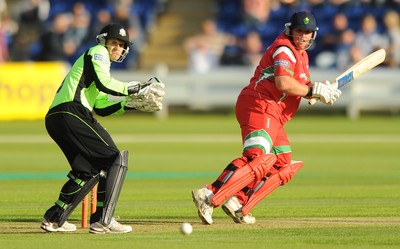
281, 63
100, 57
303, 76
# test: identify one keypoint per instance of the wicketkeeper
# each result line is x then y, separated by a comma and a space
91, 152
263, 107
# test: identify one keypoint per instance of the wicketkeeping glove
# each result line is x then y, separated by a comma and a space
150, 104
325, 92
152, 87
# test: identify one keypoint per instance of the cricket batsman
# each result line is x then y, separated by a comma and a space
91, 152
263, 107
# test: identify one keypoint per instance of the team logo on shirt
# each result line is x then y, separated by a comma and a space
122, 32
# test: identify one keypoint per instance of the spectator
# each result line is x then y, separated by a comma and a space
3, 35
367, 39
9, 27
53, 45
247, 51
343, 48
340, 24
253, 49
205, 49
79, 30
34, 13
102, 18
3, 6
123, 15
392, 24
255, 11
31, 16
336, 44
3, 43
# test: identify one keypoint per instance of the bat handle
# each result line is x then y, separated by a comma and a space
312, 101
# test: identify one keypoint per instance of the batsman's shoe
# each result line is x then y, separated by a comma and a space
233, 208
53, 227
201, 200
114, 227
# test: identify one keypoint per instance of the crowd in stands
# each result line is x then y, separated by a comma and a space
60, 30
348, 30
50, 30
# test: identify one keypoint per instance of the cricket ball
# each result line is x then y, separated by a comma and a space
186, 228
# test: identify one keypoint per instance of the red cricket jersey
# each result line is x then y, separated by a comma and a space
279, 59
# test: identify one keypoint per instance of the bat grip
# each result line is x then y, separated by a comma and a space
312, 101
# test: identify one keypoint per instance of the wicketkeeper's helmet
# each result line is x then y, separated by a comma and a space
115, 31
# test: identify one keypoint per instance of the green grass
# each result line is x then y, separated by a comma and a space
347, 195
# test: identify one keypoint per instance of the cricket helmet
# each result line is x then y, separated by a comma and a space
302, 20
115, 31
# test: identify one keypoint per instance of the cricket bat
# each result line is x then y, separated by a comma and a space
358, 69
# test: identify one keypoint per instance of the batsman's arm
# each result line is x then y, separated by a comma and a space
314, 100
290, 86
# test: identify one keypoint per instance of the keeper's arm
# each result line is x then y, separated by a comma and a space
100, 65
104, 107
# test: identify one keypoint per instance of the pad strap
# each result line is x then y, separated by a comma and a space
78, 197
282, 177
240, 178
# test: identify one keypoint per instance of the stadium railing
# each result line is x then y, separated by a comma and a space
378, 90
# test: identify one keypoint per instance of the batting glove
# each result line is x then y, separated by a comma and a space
326, 92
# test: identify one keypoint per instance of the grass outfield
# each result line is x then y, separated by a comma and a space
346, 196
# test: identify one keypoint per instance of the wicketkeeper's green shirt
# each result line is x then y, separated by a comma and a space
89, 82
